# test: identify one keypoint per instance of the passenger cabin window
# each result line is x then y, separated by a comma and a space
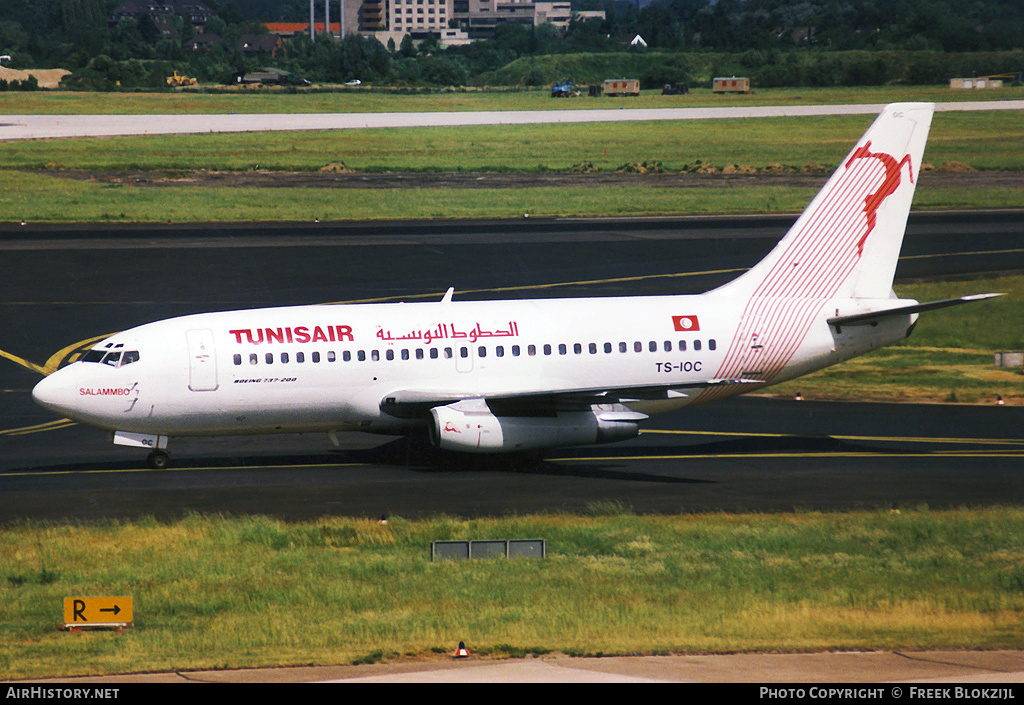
119, 358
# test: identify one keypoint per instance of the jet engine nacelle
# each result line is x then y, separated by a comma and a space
470, 426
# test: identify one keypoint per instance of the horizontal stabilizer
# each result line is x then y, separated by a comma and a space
872, 316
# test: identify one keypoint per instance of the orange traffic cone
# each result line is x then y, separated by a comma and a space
461, 651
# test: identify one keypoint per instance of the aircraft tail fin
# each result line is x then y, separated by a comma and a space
847, 242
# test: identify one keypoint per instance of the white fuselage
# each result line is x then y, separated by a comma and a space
329, 367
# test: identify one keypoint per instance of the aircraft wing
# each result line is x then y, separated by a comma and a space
410, 403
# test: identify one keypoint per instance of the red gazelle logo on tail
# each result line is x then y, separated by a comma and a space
873, 201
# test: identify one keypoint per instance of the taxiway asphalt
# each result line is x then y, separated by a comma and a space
748, 454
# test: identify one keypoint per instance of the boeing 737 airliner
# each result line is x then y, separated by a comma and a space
505, 376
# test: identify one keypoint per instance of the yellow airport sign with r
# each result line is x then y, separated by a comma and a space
85, 611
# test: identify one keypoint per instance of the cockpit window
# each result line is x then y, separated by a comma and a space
114, 359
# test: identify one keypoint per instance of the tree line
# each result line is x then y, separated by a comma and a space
776, 42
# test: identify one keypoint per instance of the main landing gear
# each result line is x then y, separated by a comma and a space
158, 459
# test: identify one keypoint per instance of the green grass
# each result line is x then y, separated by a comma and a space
977, 138
46, 199
215, 592
40, 198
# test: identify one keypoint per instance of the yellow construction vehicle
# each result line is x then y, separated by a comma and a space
178, 80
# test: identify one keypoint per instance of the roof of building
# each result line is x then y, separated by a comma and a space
287, 28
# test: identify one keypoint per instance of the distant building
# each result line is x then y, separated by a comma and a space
731, 84
166, 29
260, 44
290, 29
418, 16
452, 22
203, 42
558, 14
195, 12
968, 83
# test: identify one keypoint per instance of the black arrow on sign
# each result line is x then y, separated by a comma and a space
115, 609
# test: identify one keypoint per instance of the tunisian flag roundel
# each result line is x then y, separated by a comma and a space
685, 323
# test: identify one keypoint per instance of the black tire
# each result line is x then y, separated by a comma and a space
158, 460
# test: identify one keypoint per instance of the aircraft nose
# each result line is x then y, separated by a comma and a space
53, 394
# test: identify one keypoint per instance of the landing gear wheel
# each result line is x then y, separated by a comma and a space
158, 460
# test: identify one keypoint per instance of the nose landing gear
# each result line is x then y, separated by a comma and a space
158, 459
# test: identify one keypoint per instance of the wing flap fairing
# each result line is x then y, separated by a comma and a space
411, 403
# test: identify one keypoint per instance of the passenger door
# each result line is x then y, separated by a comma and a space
202, 361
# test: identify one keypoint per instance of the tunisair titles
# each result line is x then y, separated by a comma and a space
343, 333
296, 334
